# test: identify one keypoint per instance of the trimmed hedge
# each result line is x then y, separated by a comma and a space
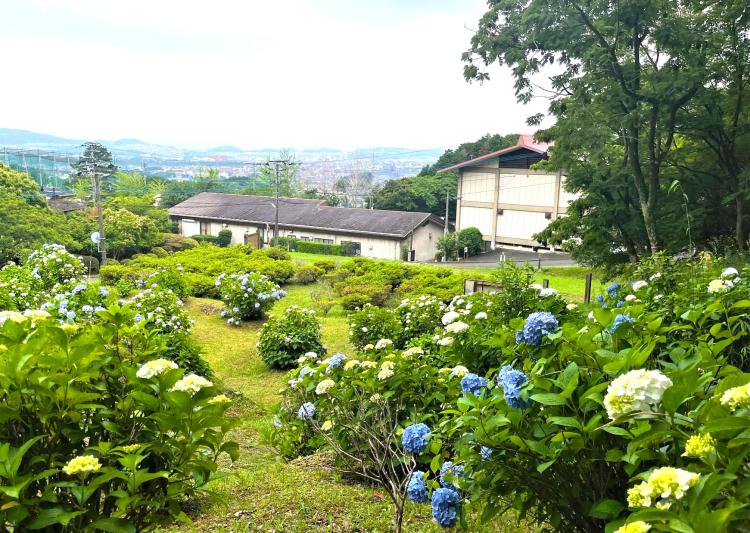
311, 247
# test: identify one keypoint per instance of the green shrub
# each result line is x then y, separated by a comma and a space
202, 286
110, 261
370, 324
310, 247
161, 310
54, 266
354, 297
276, 252
247, 296
159, 251
326, 265
147, 445
210, 239
283, 340
308, 274
174, 242
224, 238
471, 240
124, 287
171, 279
188, 355
90, 264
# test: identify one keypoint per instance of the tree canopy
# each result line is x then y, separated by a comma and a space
643, 94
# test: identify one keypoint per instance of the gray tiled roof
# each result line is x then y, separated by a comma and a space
301, 214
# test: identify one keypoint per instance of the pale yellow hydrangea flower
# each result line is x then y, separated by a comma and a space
155, 368
131, 448
324, 386
634, 527
83, 464
716, 286
221, 398
191, 383
327, 425
386, 370
700, 446
369, 364
736, 397
662, 488
351, 364
416, 350
459, 371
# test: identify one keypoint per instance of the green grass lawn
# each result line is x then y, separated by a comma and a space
264, 493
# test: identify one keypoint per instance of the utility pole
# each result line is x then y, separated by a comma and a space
96, 183
447, 206
277, 166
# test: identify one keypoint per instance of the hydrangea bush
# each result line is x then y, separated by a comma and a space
283, 340
53, 266
247, 296
113, 438
162, 310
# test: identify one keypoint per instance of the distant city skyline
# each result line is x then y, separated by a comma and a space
299, 74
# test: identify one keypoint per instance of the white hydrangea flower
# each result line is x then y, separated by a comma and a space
459, 371
717, 286
640, 284
591, 316
155, 368
386, 370
382, 344
445, 341
547, 292
630, 298
729, 273
457, 327
571, 307
449, 317
415, 350
481, 315
324, 386
658, 297
637, 390
191, 384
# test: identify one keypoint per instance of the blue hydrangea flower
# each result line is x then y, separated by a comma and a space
104, 292
416, 490
336, 360
444, 507
306, 411
415, 438
537, 325
450, 469
486, 453
472, 383
71, 315
512, 381
600, 298
619, 304
619, 321
87, 309
612, 289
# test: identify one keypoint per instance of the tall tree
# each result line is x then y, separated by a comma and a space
638, 63
96, 164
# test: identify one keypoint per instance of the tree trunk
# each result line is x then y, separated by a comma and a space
740, 225
399, 518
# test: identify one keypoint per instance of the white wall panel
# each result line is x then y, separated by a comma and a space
520, 224
527, 189
478, 187
476, 217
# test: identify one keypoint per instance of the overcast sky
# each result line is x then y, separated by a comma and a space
339, 73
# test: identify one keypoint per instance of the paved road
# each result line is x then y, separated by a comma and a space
519, 255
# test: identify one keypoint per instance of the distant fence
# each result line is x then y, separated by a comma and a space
481, 285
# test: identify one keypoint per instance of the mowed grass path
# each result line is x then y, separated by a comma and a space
264, 493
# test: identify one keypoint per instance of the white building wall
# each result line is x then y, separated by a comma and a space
478, 186
476, 217
374, 247
527, 189
424, 242
520, 224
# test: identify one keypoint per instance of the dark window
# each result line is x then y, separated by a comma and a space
351, 248
548, 215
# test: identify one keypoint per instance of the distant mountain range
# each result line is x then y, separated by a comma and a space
138, 152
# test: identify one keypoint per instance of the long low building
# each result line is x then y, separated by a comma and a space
508, 202
370, 232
